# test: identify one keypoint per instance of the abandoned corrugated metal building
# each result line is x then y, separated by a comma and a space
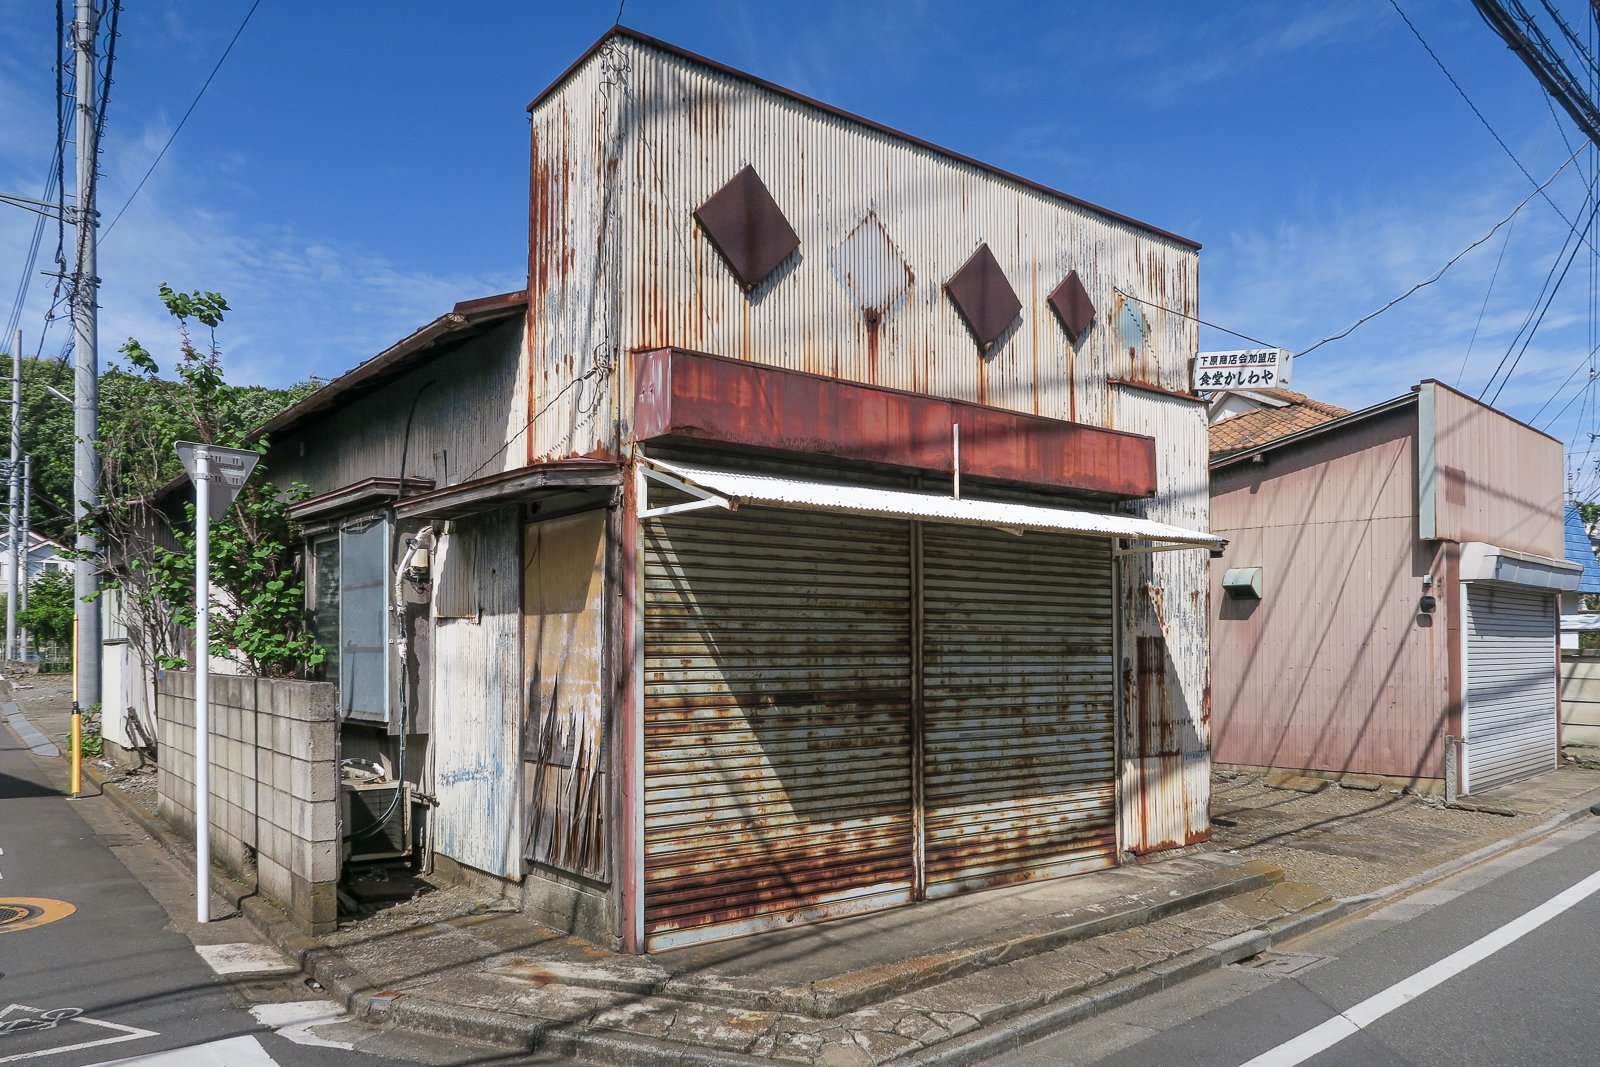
1391, 582
822, 530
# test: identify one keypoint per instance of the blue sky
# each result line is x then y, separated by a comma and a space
355, 169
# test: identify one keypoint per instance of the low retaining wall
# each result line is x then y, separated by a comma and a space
1580, 697
275, 819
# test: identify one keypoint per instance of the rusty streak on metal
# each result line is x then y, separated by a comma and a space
689, 396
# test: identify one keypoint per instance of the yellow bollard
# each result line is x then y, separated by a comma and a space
77, 718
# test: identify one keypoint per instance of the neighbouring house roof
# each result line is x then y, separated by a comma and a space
1581, 550
468, 319
1299, 412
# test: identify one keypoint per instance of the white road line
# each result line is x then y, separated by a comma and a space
50, 1020
230, 1052
295, 1019
1317, 1039
245, 957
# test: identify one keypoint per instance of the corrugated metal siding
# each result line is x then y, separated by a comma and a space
1495, 479
635, 141
1511, 685
1333, 669
1165, 618
1018, 716
777, 720
477, 402
477, 706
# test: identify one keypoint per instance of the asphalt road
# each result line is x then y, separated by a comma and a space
1532, 1001
120, 977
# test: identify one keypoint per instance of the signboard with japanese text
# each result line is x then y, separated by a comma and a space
1255, 368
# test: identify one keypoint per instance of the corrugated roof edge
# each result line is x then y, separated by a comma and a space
684, 53
372, 372
1330, 426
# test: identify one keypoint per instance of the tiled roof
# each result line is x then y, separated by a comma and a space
1581, 550
1268, 423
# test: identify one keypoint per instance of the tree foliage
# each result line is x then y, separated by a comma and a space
48, 616
257, 615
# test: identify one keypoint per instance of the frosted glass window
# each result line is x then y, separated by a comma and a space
364, 620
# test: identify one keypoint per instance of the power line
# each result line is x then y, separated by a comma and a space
1196, 318
1529, 339
1533, 311
160, 155
1347, 331
1492, 133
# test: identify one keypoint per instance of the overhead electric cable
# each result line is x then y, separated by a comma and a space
1544, 286
1529, 339
1540, 57
1196, 318
1492, 133
162, 154
1347, 331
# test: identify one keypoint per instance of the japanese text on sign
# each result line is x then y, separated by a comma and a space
1257, 368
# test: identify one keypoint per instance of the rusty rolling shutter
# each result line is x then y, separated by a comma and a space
777, 720
1019, 778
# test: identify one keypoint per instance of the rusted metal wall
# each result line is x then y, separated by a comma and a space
477, 702
1334, 669
476, 402
636, 139
564, 738
700, 399
1165, 613
1488, 477
1018, 696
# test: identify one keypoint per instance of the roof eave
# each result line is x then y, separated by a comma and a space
1332, 425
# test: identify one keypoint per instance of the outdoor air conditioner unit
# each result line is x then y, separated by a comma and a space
365, 804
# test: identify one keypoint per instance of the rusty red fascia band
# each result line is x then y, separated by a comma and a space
692, 396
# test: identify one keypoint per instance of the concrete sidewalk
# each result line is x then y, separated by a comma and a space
945, 982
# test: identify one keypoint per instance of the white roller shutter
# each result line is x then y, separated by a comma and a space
1511, 727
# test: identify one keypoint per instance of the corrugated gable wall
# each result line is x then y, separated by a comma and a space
638, 139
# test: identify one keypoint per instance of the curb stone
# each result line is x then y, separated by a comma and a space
414, 1011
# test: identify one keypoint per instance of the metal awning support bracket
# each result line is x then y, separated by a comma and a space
703, 498
1119, 547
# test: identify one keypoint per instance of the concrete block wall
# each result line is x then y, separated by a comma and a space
274, 784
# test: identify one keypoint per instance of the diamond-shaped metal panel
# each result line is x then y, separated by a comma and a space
748, 228
872, 269
985, 299
1072, 305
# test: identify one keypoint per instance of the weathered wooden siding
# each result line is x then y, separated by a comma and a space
1165, 653
637, 139
1491, 478
564, 740
1333, 669
463, 420
477, 701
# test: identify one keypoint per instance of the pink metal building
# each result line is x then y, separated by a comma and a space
1390, 592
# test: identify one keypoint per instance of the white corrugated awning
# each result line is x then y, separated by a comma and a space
724, 488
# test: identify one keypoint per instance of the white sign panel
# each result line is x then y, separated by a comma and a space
230, 469
1255, 368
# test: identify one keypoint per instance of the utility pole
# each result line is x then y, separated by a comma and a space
86, 363
13, 585
27, 541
